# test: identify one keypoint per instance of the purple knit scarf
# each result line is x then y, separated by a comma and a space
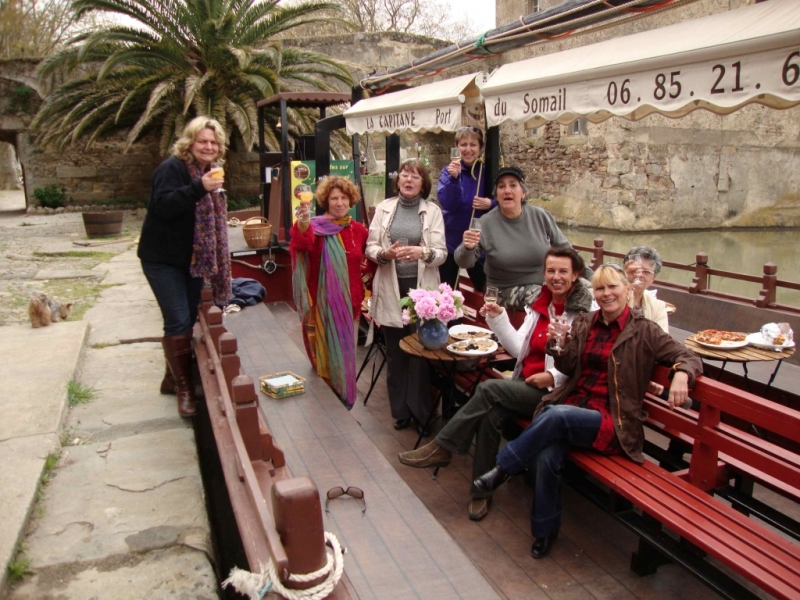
210, 257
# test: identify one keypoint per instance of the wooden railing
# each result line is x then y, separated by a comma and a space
701, 282
278, 516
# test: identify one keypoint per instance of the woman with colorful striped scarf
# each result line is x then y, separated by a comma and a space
327, 261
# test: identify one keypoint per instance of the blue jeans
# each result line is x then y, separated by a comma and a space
177, 294
543, 446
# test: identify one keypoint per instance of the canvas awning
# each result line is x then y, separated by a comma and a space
719, 63
434, 107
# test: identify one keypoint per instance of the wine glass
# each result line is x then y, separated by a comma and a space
217, 172
560, 325
475, 225
455, 154
637, 258
305, 195
491, 294
402, 243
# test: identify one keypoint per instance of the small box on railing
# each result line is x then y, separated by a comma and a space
282, 385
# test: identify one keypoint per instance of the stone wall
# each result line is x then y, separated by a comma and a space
703, 170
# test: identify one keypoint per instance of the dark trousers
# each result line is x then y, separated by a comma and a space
543, 446
448, 271
407, 378
494, 402
177, 294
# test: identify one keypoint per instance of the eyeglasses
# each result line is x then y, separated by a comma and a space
411, 176
468, 128
351, 491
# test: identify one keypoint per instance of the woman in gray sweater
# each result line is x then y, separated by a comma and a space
514, 237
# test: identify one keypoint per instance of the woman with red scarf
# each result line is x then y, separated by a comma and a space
327, 259
184, 241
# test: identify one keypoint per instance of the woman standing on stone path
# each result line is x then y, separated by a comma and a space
327, 255
184, 241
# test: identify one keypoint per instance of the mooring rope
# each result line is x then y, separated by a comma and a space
257, 585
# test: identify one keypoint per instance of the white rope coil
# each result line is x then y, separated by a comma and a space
257, 585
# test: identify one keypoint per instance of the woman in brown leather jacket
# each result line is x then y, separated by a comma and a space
609, 360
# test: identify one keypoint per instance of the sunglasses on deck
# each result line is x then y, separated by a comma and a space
351, 491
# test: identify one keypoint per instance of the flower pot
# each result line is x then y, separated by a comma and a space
433, 334
103, 224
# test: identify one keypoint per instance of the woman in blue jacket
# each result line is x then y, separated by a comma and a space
458, 193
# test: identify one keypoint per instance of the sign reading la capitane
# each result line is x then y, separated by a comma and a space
443, 118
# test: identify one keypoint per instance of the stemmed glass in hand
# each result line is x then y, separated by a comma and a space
217, 172
637, 258
455, 154
560, 325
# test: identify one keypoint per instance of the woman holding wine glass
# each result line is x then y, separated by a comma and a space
184, 241
461, 194
608, 360
497, 400
406, 240
514, 240
327, 261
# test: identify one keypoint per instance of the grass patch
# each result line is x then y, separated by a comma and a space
78, 393
81, 292
20, 567
100, 256
101, 345
65, 437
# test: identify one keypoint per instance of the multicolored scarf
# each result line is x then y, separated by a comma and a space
210, 257
328, 319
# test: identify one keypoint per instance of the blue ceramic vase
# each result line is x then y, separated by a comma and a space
433, 334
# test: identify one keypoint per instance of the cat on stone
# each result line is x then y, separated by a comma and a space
43, 311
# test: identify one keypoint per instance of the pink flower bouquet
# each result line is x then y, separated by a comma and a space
427, 305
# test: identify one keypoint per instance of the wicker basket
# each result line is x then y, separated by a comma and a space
256, 233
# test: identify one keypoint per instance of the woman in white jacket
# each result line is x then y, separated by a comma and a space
534, 376
411, 217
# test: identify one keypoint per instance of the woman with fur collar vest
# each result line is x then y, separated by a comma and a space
534, 376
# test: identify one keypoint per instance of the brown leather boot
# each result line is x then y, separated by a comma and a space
178, 350
168, 383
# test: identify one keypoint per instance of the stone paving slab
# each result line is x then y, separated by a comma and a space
20, 469
124, 322
132, 494
176, 573
128, 402
36, 366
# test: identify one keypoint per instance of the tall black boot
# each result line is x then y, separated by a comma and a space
178, 350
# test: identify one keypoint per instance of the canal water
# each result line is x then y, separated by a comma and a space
740, 251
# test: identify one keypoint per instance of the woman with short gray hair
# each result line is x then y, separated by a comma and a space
644, 263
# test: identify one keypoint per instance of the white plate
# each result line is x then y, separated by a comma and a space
756, 340
457, 331
724, 345
452, 348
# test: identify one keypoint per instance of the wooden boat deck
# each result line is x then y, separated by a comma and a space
415, 539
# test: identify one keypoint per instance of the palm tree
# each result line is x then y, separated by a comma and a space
179, 59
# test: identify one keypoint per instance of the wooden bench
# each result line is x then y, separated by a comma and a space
680, 503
